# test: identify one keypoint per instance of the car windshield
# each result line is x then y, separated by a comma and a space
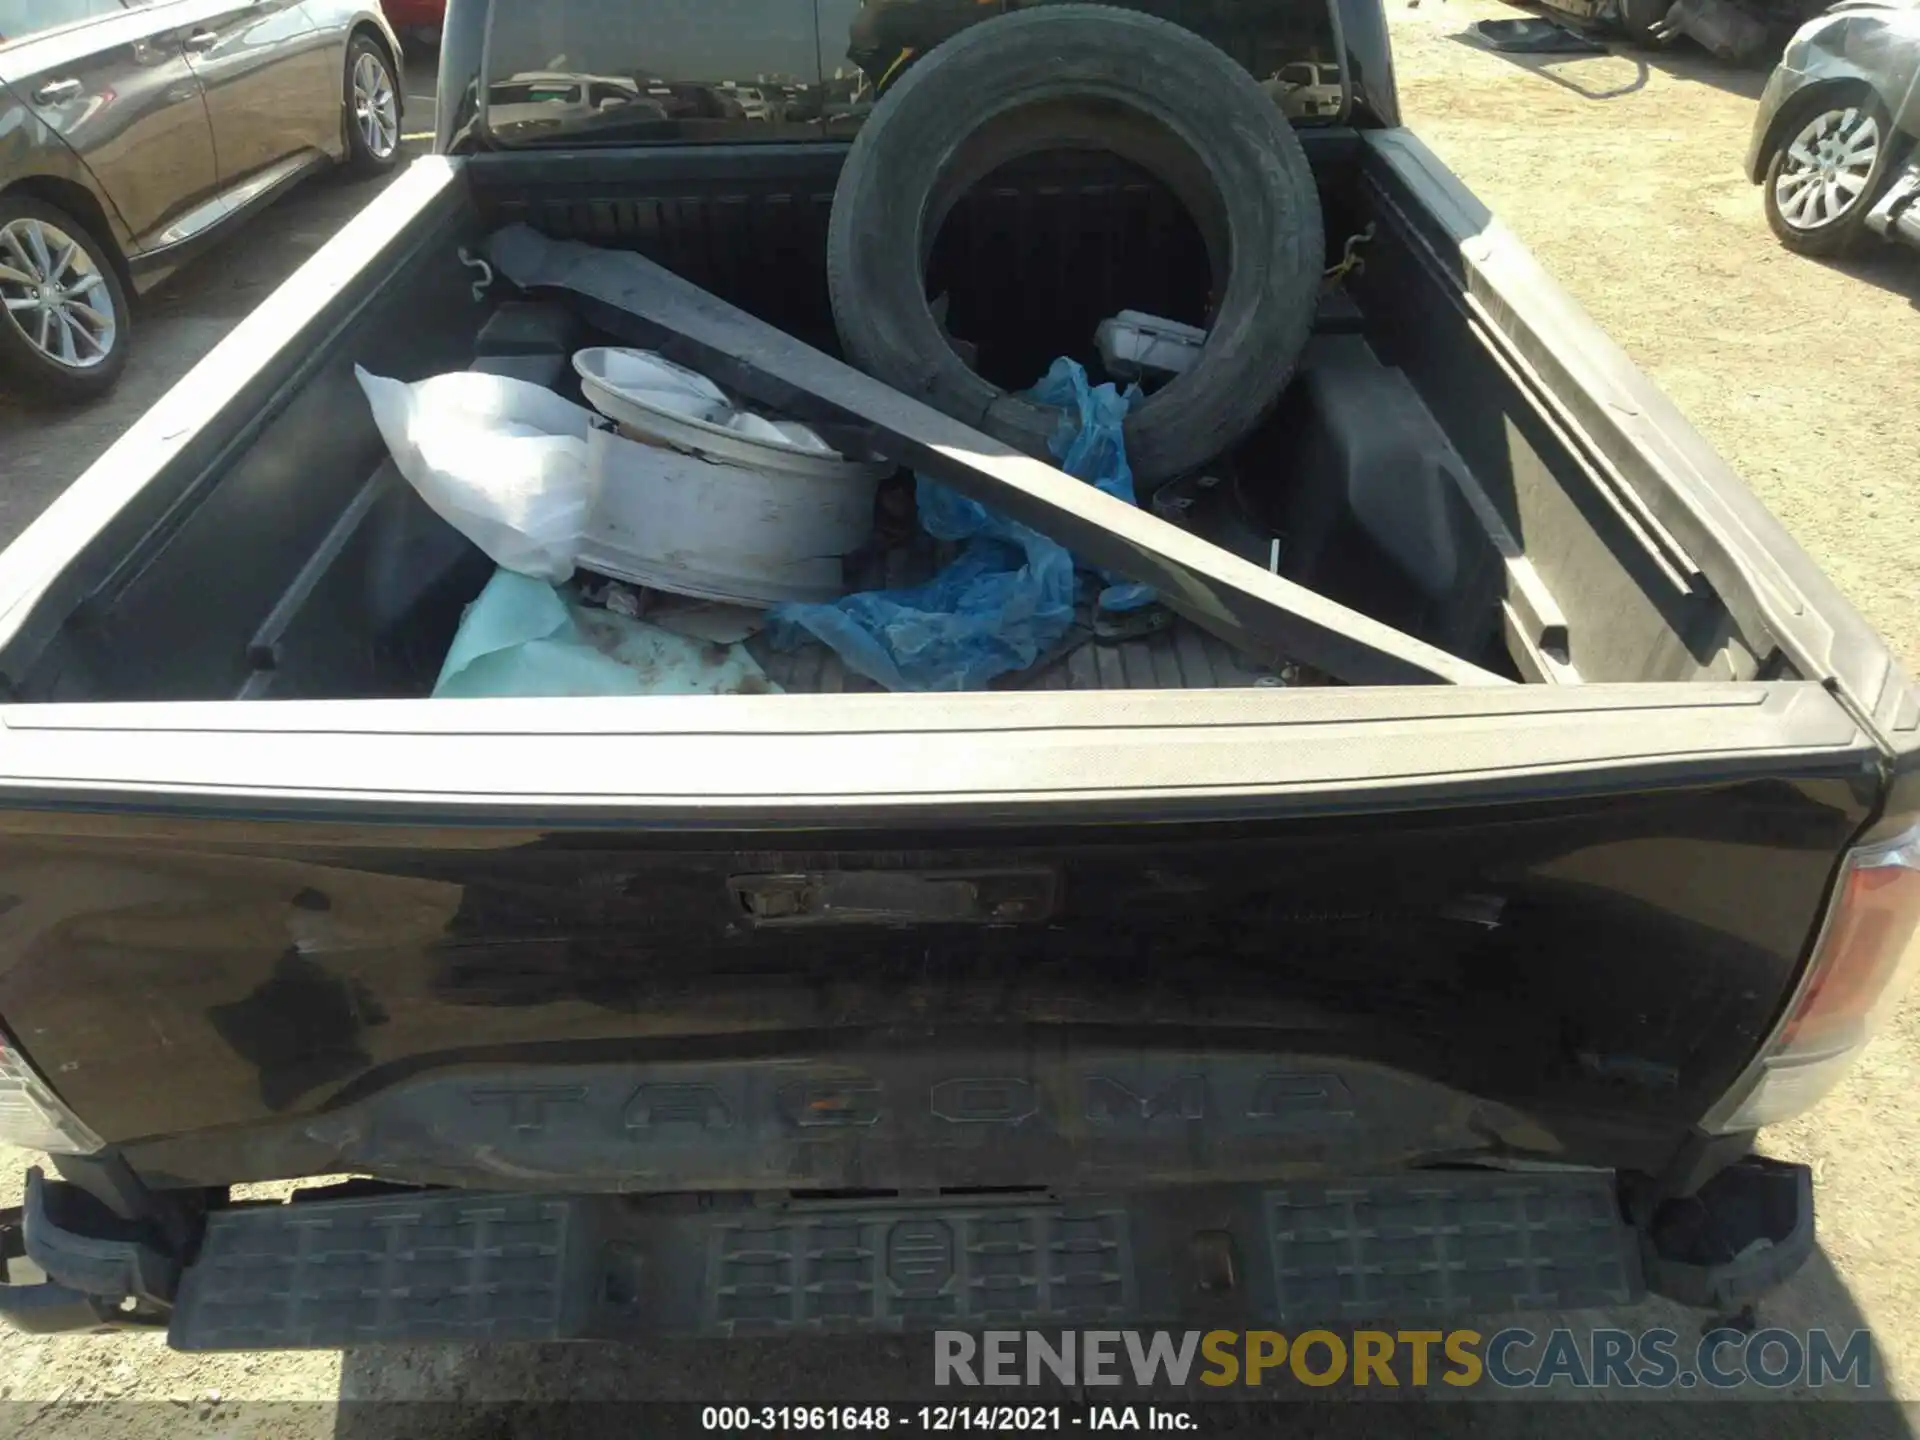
757, 70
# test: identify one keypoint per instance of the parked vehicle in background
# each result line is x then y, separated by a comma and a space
1305, 89
416, 21
754, 101
1738, 30
133, 134
1833, 141
538, 101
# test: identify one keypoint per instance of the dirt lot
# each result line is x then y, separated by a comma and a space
1623, 174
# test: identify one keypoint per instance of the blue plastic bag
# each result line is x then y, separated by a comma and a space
1090, 442
1009, 597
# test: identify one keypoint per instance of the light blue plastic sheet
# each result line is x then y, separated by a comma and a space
523, 637
1009, 597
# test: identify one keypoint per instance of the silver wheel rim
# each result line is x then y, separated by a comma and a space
375, 110
55, 295
1827, 167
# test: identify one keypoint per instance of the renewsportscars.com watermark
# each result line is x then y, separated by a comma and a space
1513, 1359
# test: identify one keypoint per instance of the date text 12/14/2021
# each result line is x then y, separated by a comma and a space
944, 1419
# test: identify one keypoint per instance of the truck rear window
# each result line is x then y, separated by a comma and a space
636, 71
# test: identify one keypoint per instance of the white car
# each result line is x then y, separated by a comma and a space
753, 101
552, 99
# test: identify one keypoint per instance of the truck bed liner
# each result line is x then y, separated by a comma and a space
376, 604
1181, 657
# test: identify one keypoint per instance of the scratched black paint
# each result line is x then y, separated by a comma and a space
1601, 967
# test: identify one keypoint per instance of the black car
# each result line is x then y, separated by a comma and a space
133, 133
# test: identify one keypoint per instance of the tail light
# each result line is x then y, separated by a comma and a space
32, 1116
1861, 962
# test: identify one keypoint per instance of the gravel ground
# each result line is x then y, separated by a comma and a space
1623, 174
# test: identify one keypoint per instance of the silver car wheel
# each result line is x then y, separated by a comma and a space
55, 294
376, 109
1826, 168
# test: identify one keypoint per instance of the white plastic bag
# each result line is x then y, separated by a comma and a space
503, 461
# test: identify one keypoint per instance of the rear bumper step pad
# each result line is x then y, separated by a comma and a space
454, 1265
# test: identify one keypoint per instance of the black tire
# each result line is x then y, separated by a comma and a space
26, 368
1832, 234
1083, 76
363, 157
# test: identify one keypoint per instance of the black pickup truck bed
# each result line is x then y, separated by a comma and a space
869, 976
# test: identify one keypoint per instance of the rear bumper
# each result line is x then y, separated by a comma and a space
536, 1268
441, 1266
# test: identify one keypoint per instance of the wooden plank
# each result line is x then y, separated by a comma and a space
644, 303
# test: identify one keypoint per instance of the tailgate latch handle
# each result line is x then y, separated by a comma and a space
897, 897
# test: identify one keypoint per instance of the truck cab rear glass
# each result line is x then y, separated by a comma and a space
702, 71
